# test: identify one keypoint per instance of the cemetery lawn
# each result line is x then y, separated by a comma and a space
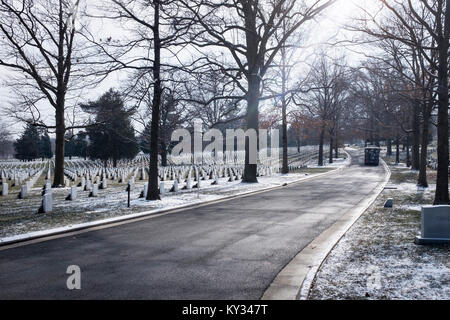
19, 217
377, 258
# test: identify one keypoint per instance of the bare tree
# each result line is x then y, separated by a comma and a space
327, 84
408, 66
41, 40
151, 42
284, 82
424, 25
174, 110
245, 29
214, 98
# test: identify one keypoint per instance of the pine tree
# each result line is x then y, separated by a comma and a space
81, 145
113, 137
69, 148
28, 145
45, 147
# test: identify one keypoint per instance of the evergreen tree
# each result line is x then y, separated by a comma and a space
28, 145
144, 140
113, 137
81, 145
69, 148
45, 147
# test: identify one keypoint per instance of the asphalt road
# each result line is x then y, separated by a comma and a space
229, 250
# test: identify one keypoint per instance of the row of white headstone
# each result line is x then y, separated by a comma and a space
24, 188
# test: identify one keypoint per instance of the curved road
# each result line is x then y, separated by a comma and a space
229, 250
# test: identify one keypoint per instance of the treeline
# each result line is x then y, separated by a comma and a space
226, 63
33, 144
405, 87
110, 138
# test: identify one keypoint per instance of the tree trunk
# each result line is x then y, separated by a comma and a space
58, 179
250, 170
389, 147
330, 158
422, 181
163, 154
153, 188
285, 167
397, 153
336, 145
408, 158
254, 83
322, 136
441, 195
416, 139
62, 80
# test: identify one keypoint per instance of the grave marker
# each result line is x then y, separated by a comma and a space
435, 225
73, 194
4, 189
94, 192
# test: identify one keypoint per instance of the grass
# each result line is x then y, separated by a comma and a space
383, 238
398, 177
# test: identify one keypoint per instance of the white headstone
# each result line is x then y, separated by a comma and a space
188, 183
23, 191
94, 192
144, 193
47, 203
161, 188
4, 189
73, 193
175, 186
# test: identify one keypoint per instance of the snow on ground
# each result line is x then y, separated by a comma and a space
18, 218
337, 162
377, 258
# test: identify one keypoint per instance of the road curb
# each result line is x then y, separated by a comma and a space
62, 232
294, 281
